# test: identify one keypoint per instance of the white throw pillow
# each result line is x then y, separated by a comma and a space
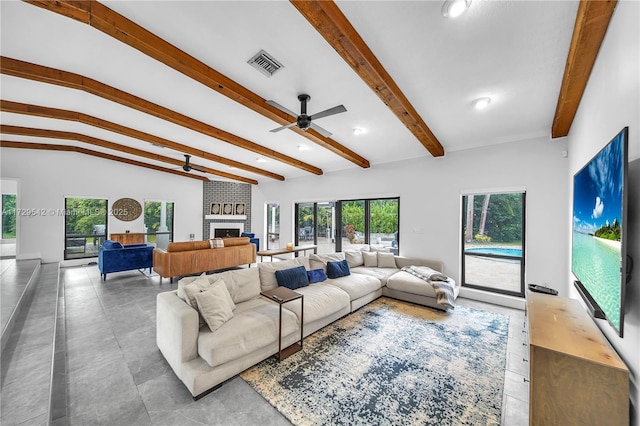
386, 260
196, 286
354, 258
200, 285
214, 305
183, 282
370, 259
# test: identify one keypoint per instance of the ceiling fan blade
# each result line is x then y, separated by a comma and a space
281, 108
327, 112
320, 130
286, 126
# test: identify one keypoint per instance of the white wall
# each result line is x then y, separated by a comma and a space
611, 102
430, 200
45, 178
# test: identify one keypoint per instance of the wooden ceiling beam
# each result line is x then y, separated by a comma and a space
61, 114
330, 22
68, 148
117, 26
27, 70
57, 134
591, 26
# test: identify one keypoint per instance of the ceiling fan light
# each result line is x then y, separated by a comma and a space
454, 8
481, 103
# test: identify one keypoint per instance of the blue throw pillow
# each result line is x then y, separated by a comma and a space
108, 244
292, 278
338, 269
316, 276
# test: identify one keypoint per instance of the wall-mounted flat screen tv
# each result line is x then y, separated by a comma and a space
598, 251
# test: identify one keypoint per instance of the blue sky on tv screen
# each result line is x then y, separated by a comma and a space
597, 189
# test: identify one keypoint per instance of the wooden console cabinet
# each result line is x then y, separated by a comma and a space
128, 238
576, 378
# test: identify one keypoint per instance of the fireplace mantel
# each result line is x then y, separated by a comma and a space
225, 217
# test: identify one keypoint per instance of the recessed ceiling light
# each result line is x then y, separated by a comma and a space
261, 160
455, 8
481, 103
358, 131
302, 147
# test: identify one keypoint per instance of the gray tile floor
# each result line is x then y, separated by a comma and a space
117, 376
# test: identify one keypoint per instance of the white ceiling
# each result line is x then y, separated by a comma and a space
512, 51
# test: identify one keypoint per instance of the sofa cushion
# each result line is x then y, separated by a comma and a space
354, 258
337, 269
381, 274
108, 244
370, 258
267, 271
198, 285
319, 261
236, 241
356, 285
215, 305
254, 325
316, 276
320, 301
188, 246
404, 281
386, 260
292, 278
243, 284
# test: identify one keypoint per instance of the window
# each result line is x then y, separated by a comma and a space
493, 242
85, 226
305, 223
273, 226
325, 235
158, 223
383, 223
8, 216
353, 215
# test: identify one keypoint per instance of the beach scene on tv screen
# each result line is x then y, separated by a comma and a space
597, 213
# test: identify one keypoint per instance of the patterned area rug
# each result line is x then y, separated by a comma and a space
393, 363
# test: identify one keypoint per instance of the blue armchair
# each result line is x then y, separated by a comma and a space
114, 257
252, 239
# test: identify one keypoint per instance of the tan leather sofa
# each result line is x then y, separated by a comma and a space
194, 257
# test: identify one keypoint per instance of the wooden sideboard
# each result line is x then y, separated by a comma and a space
576, 378
128, 238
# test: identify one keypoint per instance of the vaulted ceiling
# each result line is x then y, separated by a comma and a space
147, 82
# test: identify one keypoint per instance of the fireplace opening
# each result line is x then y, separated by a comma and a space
226, 232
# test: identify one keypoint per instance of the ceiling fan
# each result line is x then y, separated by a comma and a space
304, 121
187, 167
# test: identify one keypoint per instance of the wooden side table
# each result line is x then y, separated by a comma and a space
282, 295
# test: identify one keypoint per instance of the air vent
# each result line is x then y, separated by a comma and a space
265, 63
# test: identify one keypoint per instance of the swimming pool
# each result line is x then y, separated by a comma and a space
495, 250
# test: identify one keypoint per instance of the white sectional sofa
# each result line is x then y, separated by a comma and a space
203, 359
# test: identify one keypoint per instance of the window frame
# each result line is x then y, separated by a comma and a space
521, 259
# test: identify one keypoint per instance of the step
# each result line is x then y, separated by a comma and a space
29, 352
16, 289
